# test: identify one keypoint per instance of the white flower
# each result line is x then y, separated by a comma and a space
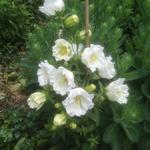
45, 73
59, 120
77, 48
62, 50
36, 100
106, 69
117, 91
92, 56
78, 102
50, 7
63, 81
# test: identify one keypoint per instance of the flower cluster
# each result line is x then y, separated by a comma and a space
78, 100
94, 58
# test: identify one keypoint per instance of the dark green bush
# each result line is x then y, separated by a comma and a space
17, 20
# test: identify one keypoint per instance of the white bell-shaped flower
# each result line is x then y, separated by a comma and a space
45, 73
36, 100
63, 81
62, 50
117, 91
92, 56
106, 69
78, 102
50, 7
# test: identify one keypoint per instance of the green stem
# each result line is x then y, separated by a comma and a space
87, 39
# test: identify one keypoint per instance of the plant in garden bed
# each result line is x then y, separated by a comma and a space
84, 86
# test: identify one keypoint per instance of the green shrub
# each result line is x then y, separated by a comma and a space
17, 20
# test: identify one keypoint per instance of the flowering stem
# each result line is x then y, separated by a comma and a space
87, 39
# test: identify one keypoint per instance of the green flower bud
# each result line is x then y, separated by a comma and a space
120, 8
90, 88
59, 120
91, 7
53, 128
57, 105
109, 9
73, 125
82, 34
118, 33
71, 21
112, 20
104, 27
102, 98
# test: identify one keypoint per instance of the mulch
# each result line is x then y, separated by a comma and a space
12, 98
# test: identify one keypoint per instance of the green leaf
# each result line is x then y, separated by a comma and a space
134, 75
125, 62
19, 144
113, 136
133, 112
146, 88
132, 131
147, 112
147, 127
110, 133
144, 144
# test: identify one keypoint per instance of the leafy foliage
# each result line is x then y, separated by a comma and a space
16, 21
123, 28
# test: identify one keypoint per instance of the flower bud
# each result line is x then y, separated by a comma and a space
73, 125
102, 98
59, 120
57, 105
90, 88
71, 21
82, 34
109, 9
91, 7
36, 100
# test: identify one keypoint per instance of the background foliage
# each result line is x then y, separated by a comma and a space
17, 19
122, 26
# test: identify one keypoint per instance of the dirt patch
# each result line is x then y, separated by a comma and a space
11, 93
